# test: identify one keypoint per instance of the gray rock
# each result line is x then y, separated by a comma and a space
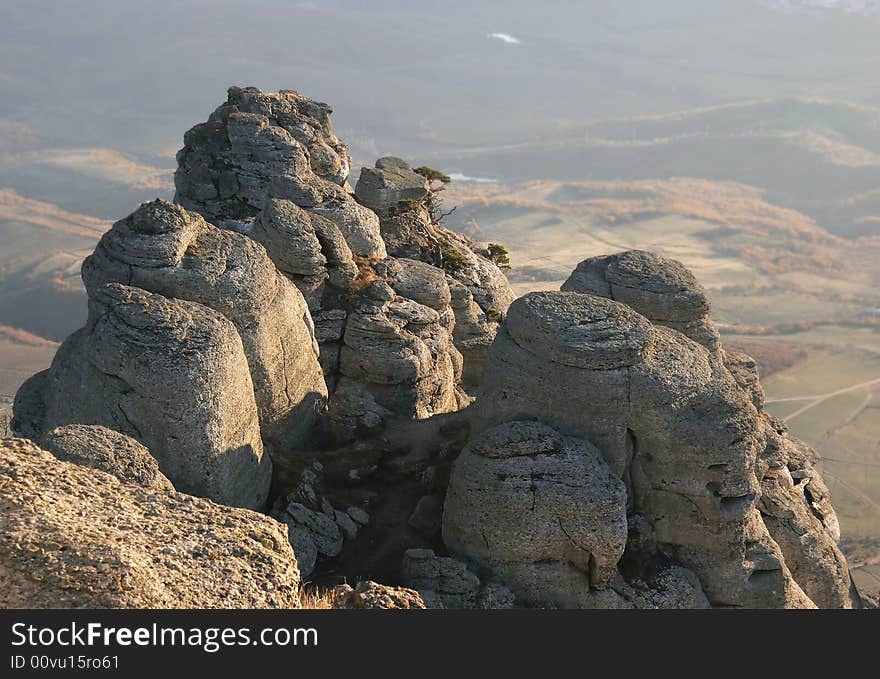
801, 521
560, 502
440, 579
398, 354
171, 374
661, 289
165, 249
322, 529
381, 188
678, 427
101, 448
495, 596
418, 281
261, 145
744, 369
359, 515
346, 524
303, 544
358, 225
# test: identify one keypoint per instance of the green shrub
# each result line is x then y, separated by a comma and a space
407, 205
499, 254
493, 315
431, 174
450, 258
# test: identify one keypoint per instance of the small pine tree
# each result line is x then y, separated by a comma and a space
499, 254
431, 174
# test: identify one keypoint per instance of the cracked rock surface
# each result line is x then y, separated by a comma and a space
76, 537
723, 490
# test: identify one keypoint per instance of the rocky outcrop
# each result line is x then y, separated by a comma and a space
479, 292
163, 248
659, 288
169, 373
397, 356
101, 448
268, 165
708, 478
76, 537
260, 145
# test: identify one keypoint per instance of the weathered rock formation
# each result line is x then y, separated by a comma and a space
269, 165
171, 374
101, 448
407, 206
711, 484
165, 249
616, 457
75, 537
660, 289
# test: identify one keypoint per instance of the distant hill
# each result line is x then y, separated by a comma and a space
43, 248
818, 157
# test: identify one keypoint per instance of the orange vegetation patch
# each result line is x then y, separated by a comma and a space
20, 336
46, 215
775, 239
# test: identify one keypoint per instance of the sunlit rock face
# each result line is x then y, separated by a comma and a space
269, 166
169, 373
163, 248
711, 483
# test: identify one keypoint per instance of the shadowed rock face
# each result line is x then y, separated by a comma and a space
169, 373
165, 249
76, 537
709, 479
521, 494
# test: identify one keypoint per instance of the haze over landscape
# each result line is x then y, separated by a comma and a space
740, 137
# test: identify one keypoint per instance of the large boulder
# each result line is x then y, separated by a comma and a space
169, 373
678, 429
101, 448
521, 497
76, 537
392, 180
163, 248
661, 289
